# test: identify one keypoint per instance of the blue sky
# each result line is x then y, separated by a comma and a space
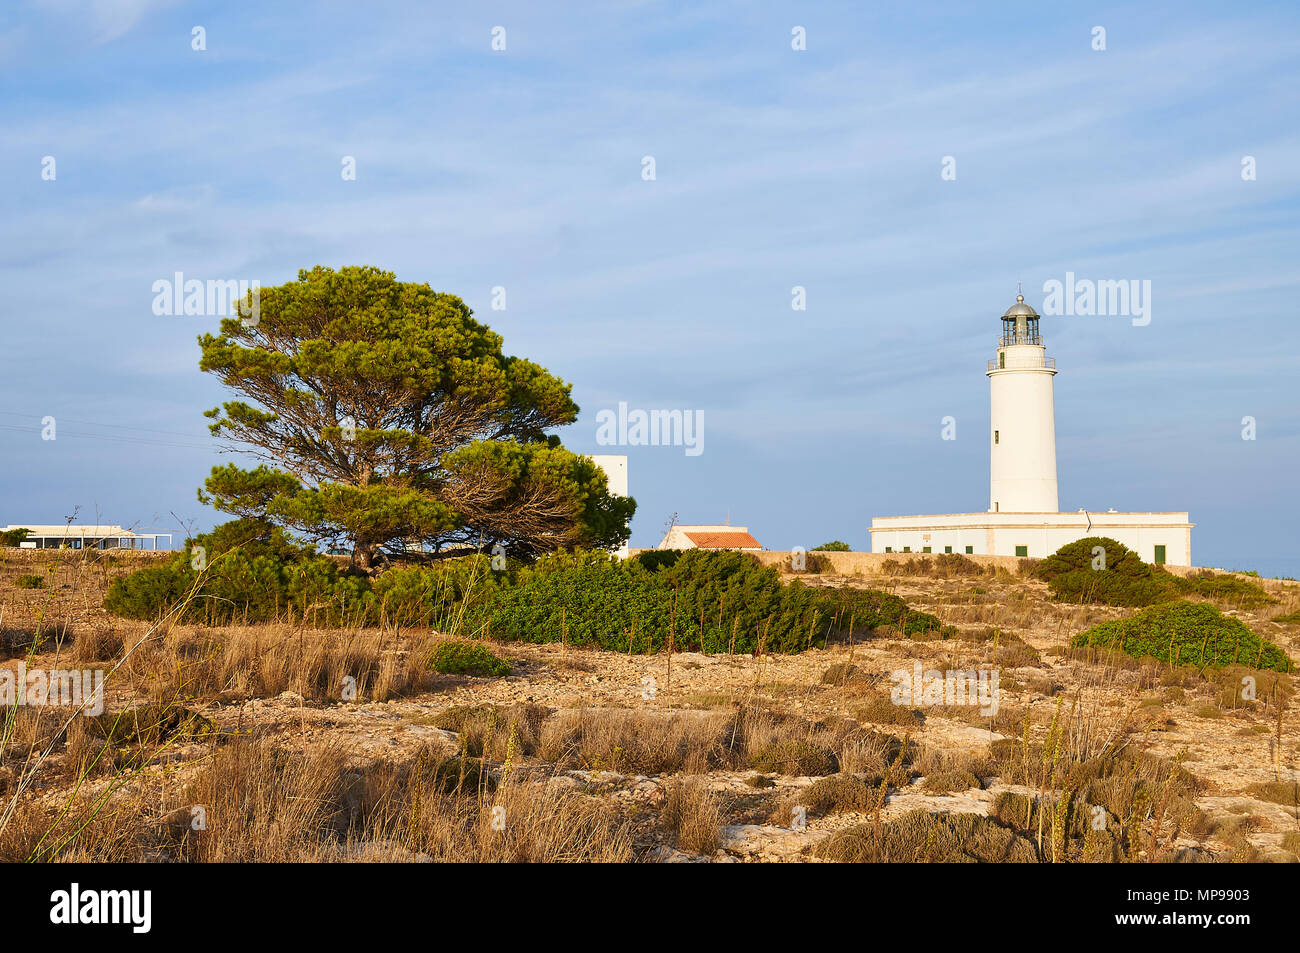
774, 168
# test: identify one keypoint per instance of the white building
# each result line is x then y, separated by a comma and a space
615, 467
712, 536
1023, 517
74, 536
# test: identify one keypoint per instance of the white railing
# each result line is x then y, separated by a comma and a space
1024, 364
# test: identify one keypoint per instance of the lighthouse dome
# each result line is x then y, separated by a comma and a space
1020, 310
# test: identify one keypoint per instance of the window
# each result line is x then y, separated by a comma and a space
925, 549
1002, 358
889, 549
1160, 554
907, 549
947, 549
970, 550
995, 437
1022, 550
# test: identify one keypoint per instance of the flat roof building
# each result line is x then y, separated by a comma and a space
85, 536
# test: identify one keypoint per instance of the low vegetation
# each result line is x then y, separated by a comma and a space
249, 571
467, 658
1178, 633
1099, 569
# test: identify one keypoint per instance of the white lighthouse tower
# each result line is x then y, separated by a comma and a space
1022, 430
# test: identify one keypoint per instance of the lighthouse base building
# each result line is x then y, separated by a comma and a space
1022, 519
1155, 537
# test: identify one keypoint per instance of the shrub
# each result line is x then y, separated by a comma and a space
834, 546
467, 658
1100, 569
428, 596
949, 781
839, 792
1117, 576
796, 757
920, 836
1186, 632
29, 581
12, 537
254, 572
149, 724
842, 673
653, 559
709, 601
1222, 587
1279, 792
880, 709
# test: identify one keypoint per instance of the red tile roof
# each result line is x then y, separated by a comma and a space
724, 541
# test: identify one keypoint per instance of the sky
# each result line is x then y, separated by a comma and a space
906, 169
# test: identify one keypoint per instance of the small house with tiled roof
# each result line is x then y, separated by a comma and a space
711, 537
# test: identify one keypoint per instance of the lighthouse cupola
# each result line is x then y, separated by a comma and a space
1020, 324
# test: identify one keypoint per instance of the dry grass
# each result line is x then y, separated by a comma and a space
255, 801
839, 793
644, 742
692, 814
921, 837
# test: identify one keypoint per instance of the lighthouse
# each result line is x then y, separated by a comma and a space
1023, 517
1022, 426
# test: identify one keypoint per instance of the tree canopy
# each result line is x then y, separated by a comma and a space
387, 418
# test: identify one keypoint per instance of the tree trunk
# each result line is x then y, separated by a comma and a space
363, 555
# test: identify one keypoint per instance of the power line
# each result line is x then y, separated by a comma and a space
95, 423
116, 438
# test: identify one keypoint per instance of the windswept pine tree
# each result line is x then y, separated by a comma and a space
390, 421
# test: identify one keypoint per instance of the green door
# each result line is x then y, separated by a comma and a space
1160, 555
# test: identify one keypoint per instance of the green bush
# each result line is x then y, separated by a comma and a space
29, 581
658, 558
714, 601
1100, 569
1118, 577
1223, 587
1186, 633
430, 595
709, 601
834, 546
12, 537
254, 572
467, 658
